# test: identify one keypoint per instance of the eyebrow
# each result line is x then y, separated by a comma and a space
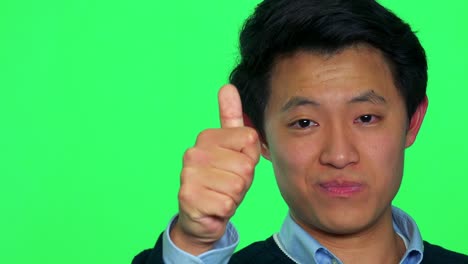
368, 96
298, 101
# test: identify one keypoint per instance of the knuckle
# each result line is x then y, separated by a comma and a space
188, 176
205, 135
186, 172
251, 135
190, 155
238, 187
194, 156
227, 207
248, 167
186, 194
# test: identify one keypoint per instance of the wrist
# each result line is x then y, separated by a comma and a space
186, 242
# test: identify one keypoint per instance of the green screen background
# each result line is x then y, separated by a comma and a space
100, 99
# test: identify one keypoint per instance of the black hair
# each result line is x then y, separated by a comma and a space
281, 27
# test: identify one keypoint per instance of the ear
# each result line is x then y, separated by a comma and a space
265, 151
264, 146
416, 122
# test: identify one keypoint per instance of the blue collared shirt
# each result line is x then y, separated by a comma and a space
221, 252
303, 248
297, 244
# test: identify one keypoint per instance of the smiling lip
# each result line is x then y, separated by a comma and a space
341, 188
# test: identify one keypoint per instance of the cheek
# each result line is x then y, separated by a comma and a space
287, 159
385, 154
292, 162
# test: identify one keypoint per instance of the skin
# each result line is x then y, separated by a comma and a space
217, 172
336, 130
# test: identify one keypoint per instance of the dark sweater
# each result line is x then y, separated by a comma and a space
267, 252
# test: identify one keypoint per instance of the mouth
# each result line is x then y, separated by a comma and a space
341, 188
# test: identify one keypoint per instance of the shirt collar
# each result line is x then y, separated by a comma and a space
303, 248
406, 227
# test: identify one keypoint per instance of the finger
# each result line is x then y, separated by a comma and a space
203, 180
198, 204
244, 139
230, 107
229, 184
217, 204
222, 159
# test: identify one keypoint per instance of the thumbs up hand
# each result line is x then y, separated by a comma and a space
217, 172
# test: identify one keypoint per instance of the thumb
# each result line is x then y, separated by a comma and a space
230, 107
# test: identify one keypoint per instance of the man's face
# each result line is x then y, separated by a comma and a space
336, 129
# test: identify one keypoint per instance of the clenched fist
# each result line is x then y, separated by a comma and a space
216, 175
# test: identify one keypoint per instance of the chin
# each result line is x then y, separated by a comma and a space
344, 228
337, 222
349, 222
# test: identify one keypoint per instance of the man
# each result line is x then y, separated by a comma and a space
332, 93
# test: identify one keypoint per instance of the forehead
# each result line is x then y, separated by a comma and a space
332, 77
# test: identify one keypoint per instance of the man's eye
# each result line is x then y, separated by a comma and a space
367, 119
303, 123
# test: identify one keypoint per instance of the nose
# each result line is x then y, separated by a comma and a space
339, 148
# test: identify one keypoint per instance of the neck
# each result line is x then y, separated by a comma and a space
378, 243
